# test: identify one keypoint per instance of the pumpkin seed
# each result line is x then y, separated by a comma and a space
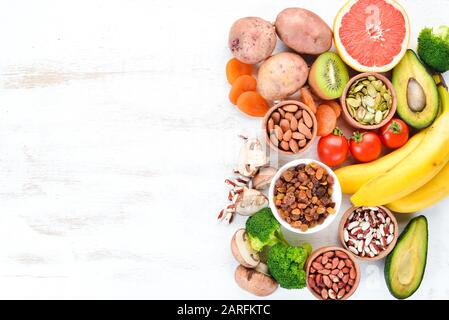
369, 100
379, 117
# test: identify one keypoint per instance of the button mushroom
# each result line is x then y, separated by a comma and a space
255, 282
242, 251
250, 201
263, 178
252, 156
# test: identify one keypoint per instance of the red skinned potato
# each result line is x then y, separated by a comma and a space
303, 31
252, 39
281, 76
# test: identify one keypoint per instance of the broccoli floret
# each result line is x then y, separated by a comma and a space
286, 265
433, 48
264, 230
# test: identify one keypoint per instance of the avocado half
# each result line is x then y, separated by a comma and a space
405, 265
416, 91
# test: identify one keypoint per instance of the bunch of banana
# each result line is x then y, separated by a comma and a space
410, 178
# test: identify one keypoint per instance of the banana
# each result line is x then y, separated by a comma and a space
411, 173
351, 178
433, 191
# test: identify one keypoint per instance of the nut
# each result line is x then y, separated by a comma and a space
331, 283
288, 123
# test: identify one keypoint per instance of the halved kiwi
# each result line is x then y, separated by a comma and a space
328, 76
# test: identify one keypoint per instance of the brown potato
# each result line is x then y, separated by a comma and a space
252, 39
303, 31
282, 75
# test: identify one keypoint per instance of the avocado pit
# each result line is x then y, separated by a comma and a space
416, 97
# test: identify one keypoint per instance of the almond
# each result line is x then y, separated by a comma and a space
285, 125
290, 108
302, 128
307, 119
287, 135
293, 124
276, 117
278, 132
294, 146
285, 145
270, 124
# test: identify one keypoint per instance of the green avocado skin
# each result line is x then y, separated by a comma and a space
411, 67
396, 250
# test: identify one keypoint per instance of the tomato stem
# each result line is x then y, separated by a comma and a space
395, 127
357, 136
338, 132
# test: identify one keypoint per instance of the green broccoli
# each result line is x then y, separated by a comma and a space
433, 48
286, 265
264, 230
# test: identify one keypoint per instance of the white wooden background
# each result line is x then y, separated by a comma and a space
115, 137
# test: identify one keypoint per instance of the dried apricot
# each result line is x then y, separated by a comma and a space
235, 69
326, 120
252, 103
335, 106
242, 84
307, 98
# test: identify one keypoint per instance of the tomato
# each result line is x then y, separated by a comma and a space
394, 134
365, 146
333, 148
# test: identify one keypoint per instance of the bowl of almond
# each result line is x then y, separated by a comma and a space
290, 127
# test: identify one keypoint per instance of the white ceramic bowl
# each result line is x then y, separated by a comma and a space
336, 197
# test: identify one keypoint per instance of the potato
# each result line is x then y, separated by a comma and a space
281, 76
303, 31
252, 39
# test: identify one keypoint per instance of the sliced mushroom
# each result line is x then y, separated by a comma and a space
242, 251
250, 201
255, 282
263, 178
252, 157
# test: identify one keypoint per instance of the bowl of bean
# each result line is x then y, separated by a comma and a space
370, 233
305, 196
368, 101
289, 127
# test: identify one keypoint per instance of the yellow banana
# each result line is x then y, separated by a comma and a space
351, 178
429, 194
433, 191
411, 173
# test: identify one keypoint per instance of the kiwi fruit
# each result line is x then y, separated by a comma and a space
328, 76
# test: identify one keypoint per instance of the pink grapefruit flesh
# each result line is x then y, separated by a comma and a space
371, 35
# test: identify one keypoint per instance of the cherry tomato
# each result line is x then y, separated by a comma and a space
333, 148
394, 134
365, 146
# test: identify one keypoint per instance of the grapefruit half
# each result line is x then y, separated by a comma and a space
372, 35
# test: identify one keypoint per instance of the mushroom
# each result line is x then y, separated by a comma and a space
242, 251
262, 267
254, 281
252, 156
250, 201
263, 178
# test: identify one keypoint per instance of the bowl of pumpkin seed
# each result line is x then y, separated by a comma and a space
368, 101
